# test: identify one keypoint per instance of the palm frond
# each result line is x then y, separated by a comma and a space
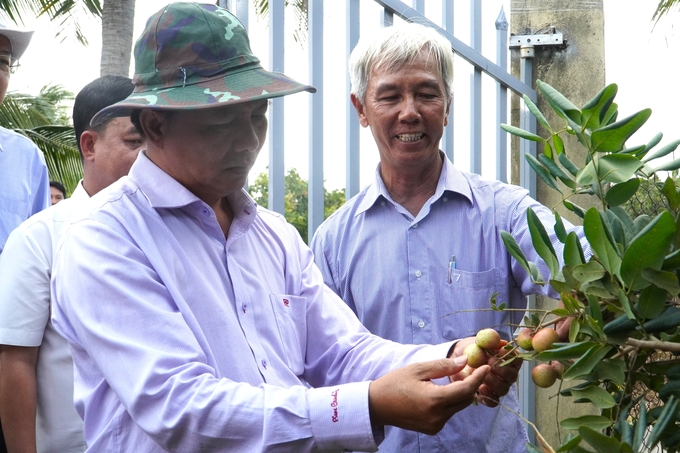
663, 8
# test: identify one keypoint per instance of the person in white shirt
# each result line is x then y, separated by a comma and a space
36, 375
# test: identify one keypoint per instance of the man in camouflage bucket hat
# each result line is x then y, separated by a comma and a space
213, 330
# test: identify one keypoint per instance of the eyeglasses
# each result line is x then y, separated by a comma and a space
8, 64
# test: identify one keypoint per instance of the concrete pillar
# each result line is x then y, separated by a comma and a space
578, 71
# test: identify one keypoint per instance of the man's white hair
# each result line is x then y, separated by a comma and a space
396, 46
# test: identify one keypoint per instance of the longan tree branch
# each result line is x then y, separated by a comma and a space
655, 344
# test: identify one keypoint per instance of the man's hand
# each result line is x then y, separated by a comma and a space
498, 381
407, 398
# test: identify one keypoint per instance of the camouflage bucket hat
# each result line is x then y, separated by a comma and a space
193, 56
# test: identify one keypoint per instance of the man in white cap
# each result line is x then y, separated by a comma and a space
24, 184
25, 187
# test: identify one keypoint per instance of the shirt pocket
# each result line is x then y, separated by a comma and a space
461, 304
291, 320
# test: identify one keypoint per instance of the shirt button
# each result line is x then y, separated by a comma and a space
244, 306
264, 363
445, 199
421, 323
418, 274
415, 225
382, 203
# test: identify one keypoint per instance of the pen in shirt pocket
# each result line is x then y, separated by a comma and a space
452, 266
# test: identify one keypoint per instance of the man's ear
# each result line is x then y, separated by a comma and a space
360, 110
446, 118
154, 126
87, 141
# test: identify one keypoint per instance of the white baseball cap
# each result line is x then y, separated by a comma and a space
18, 38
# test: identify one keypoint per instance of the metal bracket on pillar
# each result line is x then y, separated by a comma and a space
527, 45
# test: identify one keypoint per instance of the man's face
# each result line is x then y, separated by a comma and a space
5, 61
407, 110
210, 151
115, 149
56, 195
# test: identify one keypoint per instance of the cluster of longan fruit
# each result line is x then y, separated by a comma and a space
489, 343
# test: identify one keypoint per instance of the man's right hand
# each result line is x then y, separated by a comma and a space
406, 398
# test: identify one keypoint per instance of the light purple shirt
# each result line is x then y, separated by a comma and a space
393, 271
186, 341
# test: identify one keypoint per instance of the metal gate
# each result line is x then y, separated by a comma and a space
484, 104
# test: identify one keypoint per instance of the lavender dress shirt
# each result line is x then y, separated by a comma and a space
186, 341
394, 271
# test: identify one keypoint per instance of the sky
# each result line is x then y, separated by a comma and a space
640, 58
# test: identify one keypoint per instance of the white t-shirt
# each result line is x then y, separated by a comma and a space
25, 320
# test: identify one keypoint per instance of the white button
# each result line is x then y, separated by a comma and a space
446, 198
382, 203
415, 225
418, 274
421, 323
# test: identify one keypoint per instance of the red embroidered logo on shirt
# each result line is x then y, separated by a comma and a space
286, 303
334, 405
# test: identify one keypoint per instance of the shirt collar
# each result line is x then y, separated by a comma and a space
163, 191
79, 194
450, 179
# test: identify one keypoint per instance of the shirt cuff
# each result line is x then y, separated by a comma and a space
340, 419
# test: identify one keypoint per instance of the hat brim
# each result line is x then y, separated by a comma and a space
246, 86
20, 40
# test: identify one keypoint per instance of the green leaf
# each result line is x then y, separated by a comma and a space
647, 249
670, 389
667, 281
560, 104
594, 110
579, 211
612, 138
666, 417
514, 250
560, 230
622, 192
574, 329
536, 112
670, 192
598, 238
566, 351
542, 171
653, 142
558, 144
600, 442
587, 175
570, 443
652, 302
663, 151
670, 166
669, 319
617, 168
541, 242
521, 133
640, 428
556, 171
573, 253
588, 272
625, 304
595, 421
596, 395
672, 261
611, 370
587, 362
566, 163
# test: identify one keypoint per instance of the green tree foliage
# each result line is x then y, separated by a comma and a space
622, 354
65, 11
44, 119
295, 199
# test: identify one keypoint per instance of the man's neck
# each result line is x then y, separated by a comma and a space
411, 188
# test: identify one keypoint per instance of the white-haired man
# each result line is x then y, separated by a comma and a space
416, 252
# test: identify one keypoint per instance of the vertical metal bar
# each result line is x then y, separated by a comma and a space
238, 8
315, 190
276, 115
527, 390
447, 138
476, 90
352, 172
501, 98
527, 122
419, 5
387, 18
